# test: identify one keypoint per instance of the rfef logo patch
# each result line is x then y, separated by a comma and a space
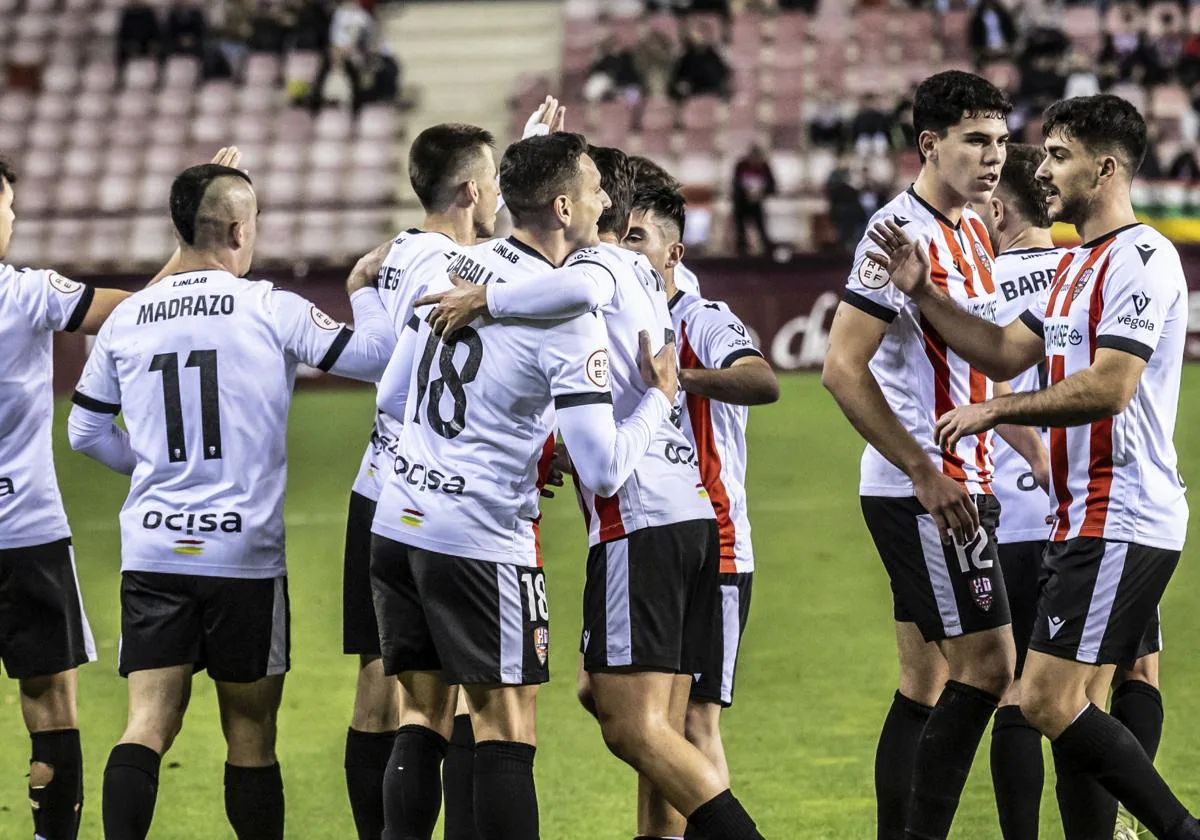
323, 321
597, 368
872, 275
62, 284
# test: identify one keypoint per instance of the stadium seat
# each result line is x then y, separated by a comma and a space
215, 98
151, 241
41, 163
170, 103
788, 167
278, 188
116, 193
47, 135
141, 74
60, 78
107, 242
133, 105
181, 72
318, 239
697, 169
37, 197
332, 124
153, 192
262, 70
12, 135
378, 122
75, 195
367, 186
276, 236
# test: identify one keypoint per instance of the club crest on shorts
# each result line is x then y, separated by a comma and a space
981, 592
541, 643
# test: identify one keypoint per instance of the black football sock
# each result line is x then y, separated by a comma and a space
1097, 743
458, 782
412, 785
506, 806
1088, 810
130, 790
367, 755
58, 804
254, 801
1139, 707
894, 759
1017, 773
722, 818
944, 756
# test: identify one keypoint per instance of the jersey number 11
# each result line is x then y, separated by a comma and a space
210, 411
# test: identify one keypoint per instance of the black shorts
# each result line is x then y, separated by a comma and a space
716, 678
946, 590
43, 629
237, 628
1099, 599
477, 622
1021, 563
1152, 640
652, 599
360, 632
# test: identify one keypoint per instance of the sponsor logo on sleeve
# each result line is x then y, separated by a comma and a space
322, 320
62, 284
1145, 252
597, 368
1140, 302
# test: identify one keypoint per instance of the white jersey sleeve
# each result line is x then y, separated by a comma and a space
99, 387
52, 301
868, 287
718, 336
1137, 301
581, 286
307, 334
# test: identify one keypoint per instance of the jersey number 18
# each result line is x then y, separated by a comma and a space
452, 379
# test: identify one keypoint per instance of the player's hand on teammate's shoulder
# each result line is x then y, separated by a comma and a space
948, 503
905, 260
365, 273
661, 371
456, 307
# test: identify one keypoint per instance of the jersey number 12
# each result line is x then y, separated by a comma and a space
210, 411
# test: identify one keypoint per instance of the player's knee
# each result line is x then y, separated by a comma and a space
1046, 706
583, 693
626, 738
703, 724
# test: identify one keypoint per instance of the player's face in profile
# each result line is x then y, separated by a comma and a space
649, 239
7, 217
969, 158
489, 195
1069, 176
588, 200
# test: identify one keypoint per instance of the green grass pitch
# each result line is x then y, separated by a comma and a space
817, 668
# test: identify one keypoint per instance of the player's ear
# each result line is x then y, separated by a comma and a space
927, 143
996, 206
1108, 168
675, 254
471, 191
237, 234
562, 210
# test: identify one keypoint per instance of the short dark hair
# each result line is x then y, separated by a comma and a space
664, 202
616, 179
535, 171
1102, 123
647, 173
947, 98
438, 153
7, 173
1019, 185
187, 193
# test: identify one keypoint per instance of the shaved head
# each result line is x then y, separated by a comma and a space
214, 210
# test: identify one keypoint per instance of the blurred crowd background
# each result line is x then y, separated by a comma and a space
788, 121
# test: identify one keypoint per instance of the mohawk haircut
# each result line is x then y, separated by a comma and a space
667, 204
616, 179
1104, 124
647, 173
535, 171
7, 173
945, 99
1019, 185
438, 159
187, 194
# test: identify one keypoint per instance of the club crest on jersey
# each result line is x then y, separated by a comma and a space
872, 275
62, 284
982, 258
597, 368
1081, 283
322, 320
981, 592
541, 643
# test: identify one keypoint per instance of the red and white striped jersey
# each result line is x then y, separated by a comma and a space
1021, 275
710, 336
1118, 478
665, 487
920, 376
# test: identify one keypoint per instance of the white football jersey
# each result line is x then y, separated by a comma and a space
1118, 478
1020, 277
202, 366
33, 304
665, 487
476, 441
414, 257
920, 376
686, 280
711, 337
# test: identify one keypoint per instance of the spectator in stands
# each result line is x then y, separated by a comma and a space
826, 125
352, 39
701, 69
233, 26
992, 30
1081, 77
1124, 55
1185, 167
138, 34
1165, 48
904, 136
753, 183
653, 60
1042, 84
613, 74
846, 212
185, 30
871, 128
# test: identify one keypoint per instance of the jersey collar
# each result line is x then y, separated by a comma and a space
1100, 240
533, 252
1028, 251
937, 214
679, 293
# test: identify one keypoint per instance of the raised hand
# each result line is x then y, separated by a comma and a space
547, 119
906, 261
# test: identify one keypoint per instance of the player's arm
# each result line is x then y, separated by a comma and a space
853, 340
91, 426
733, 371
580, 287
1026, 442
104, 301
603, 451
392, 395
1000, 352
